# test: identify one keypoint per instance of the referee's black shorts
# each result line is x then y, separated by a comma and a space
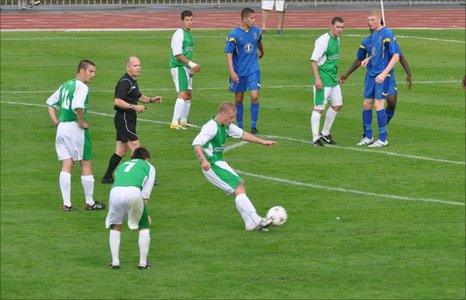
125, 125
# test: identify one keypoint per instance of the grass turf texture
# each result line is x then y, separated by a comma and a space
380, 247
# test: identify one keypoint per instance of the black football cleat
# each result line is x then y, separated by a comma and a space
106, 180
97, 206
327, 139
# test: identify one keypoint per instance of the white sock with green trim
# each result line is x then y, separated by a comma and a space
65, 187
88, 187
329, 118
186, 107
315, 124
247, 211
178, 110
144, 243
114, 240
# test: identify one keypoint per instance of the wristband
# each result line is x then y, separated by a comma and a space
191, 64
131, 106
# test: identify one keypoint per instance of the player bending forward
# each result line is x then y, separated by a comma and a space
129, 195
209, 145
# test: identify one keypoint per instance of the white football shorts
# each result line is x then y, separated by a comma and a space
125, 203
332, 94
280, 5
182, 79
69, 141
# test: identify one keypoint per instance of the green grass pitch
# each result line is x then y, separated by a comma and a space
392, 240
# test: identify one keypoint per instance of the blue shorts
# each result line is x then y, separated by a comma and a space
251, 82
390, 86
373, 90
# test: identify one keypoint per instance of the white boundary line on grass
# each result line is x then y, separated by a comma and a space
204, 36
287, 181
359, 149
410, 156
225, 87
335, 189
276, 137
342, 190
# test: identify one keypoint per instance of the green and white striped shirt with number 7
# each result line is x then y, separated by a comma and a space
138, 173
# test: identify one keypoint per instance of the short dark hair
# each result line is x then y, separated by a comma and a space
84, 64
186, 13
246, 12
140, 153
337, 20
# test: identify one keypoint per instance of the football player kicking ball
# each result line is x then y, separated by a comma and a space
129, 195
209, 145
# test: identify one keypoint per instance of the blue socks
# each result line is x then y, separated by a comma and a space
382, 121
254, 114
239, 114
367, 122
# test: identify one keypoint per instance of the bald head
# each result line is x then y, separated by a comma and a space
133, 66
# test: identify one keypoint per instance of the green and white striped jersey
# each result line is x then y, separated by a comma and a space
70, 96
213, 136
327, 55
138, 173
182, 43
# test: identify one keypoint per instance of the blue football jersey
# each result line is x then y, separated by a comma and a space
383, 47
365, 49
243, 45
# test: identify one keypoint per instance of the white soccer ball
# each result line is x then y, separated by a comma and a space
278, 215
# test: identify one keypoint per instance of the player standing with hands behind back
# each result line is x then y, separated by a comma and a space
73, 140
325, 60
243, 50
126, 107
183, 69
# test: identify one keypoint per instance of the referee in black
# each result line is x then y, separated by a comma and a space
126, 107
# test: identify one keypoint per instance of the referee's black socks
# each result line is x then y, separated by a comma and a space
112, 164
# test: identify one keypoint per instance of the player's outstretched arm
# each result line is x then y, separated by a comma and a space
409, 76
254, 139
125, 105
356, 64
147, 99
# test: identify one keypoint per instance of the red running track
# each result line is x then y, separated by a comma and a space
319, 18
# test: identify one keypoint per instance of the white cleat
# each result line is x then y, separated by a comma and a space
365, 141
379, 143
263, 225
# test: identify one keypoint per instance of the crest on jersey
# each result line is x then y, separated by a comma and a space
248, 48
254, 35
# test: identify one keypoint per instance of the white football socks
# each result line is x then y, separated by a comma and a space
88, 187
329, 118
144, 243
114, 241
315, 124
247, 211
185, 114
65, 187
178, 110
